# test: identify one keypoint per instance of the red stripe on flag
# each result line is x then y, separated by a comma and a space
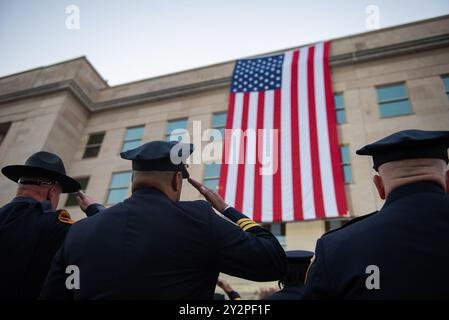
315, 158
242, 155
337, 169
226, 145
277, 183
296, 160
257, 213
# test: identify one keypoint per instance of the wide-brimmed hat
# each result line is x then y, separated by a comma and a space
43, 165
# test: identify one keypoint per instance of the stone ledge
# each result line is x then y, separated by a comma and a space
335, 61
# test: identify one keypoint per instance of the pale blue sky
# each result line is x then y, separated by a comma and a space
131, 40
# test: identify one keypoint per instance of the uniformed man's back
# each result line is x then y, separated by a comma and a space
401, 251
31, 229
146, 247
153, 246
407, 241
30, 235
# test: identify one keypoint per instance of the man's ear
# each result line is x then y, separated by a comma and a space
379, 186
447, 181
177, 181
54, 195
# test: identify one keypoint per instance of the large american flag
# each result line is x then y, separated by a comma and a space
290, 94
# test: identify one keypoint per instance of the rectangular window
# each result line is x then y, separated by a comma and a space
4, 127
133, 138
118, 190
211, 175
393, 100
340, 108
346, 163
334, 224
93, 145
219, 123
176, 129
446, 84
278, 230
71, 199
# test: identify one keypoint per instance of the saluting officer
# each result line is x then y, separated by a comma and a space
153, 246
31, 230
401, 251
292, 283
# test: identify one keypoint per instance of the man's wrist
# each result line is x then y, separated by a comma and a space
226, 208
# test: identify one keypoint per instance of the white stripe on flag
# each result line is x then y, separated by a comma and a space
267, 179
286, 145
327, 179
250, 156
308, 203
231, 184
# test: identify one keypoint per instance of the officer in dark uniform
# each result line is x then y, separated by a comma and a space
401, 251
292, 283
31, 230
153, 246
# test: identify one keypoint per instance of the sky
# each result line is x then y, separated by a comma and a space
132, 40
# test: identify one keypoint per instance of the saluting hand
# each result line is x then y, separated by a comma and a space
84, 200
224, 285
211, 196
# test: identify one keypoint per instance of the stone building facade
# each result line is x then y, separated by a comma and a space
384, 81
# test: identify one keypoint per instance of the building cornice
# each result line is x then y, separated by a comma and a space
349, 58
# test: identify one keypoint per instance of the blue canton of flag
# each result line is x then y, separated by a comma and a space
260, 74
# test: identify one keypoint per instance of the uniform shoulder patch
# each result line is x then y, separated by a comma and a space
64, 217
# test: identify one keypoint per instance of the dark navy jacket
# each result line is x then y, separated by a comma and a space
31, 232
408, 239
149, 247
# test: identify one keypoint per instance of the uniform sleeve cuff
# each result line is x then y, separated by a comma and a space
93, 209
239, 218
234, 295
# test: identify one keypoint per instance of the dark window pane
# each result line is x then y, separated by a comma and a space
446, 82
334, 224
219, 120
276, 229
212, 170
392, 92
397, 108
121, 179
347, 171
211, 183
338, 98
71, 199
117, 195
130, 145
341, 116
96, 138
134, 133
91, 152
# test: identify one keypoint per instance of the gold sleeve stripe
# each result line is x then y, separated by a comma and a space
242, 220
245, 223
250, 226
